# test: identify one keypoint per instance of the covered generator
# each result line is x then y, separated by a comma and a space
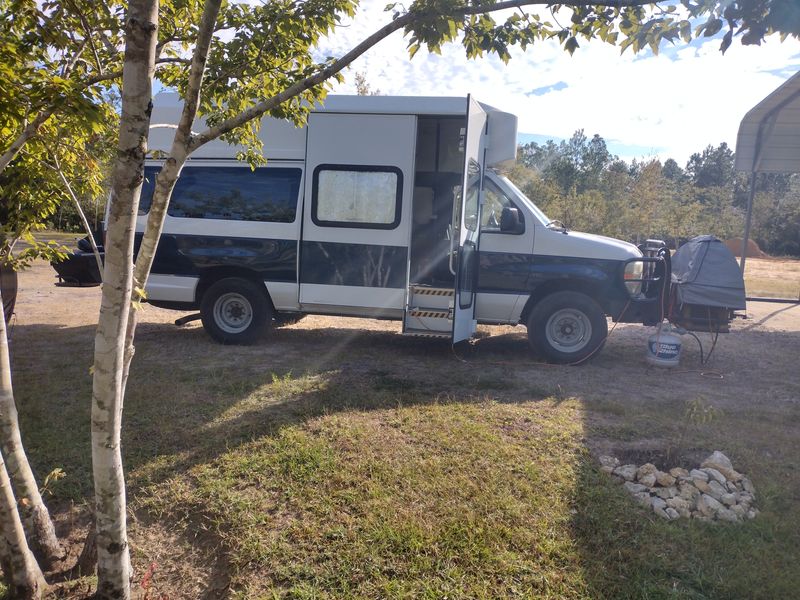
706, 286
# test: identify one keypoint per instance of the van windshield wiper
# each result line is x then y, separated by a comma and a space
556, 224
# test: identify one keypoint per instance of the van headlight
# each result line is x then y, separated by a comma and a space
633, 271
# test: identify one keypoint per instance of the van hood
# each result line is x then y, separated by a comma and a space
582, 245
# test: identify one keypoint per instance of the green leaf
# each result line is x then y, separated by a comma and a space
712, 27
726, 41
571, 45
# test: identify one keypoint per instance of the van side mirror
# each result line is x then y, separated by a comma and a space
510, 221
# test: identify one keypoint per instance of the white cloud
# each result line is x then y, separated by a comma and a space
674, 104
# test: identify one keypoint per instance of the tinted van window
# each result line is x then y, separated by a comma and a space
230, 193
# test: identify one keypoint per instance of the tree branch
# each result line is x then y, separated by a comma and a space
88, 31
301, 86
406, 20
258, 56
73, 59
118, 73
81, 214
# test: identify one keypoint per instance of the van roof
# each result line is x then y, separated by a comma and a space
168, 103
283, 140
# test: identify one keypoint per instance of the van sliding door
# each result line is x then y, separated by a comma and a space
356, 213
466, 224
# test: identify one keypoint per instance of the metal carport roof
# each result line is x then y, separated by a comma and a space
769, 142
769, 136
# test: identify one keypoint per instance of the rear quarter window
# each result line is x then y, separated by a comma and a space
230, 193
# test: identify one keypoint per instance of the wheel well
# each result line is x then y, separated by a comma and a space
551, 287
210, 276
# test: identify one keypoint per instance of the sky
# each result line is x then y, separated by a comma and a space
645, 106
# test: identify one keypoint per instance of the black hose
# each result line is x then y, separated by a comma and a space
699, 343
704, 359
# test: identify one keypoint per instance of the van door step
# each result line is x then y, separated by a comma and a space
427, 333
426, 290
431, 313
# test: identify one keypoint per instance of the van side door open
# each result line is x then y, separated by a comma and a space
466, 225
353, 251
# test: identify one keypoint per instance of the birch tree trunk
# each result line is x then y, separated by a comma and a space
168, 176
38, 526
22, 573
113, 556
20, 569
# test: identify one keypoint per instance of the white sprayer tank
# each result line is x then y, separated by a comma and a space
664, 347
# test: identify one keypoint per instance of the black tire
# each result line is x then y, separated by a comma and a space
235, 311
281, 319
567, 327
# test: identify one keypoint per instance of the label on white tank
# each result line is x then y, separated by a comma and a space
664, 349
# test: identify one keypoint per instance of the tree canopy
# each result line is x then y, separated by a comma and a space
62, 58
648, 199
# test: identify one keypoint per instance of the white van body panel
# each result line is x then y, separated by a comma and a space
283, 295
381, 283
171, 288
499, 309
553, 242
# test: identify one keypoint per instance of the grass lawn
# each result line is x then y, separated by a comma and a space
773, 278
341, 463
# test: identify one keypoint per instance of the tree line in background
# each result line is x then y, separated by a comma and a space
579, 182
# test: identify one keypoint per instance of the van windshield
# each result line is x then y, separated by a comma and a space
525, 200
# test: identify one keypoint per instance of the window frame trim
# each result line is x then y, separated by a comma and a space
398, 206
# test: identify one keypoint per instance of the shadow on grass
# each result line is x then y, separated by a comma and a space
190, 401
189, 398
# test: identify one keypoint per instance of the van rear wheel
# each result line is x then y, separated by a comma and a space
235, 311
567, 327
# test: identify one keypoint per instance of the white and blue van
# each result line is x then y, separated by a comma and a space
384, 207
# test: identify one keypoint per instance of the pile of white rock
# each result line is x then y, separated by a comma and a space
714, 492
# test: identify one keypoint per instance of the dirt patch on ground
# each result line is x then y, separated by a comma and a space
40, 300
760, 351
759, 354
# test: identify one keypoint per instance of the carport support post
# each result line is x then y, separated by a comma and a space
748, 219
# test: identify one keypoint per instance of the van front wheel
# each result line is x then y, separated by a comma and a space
235, 311
567, 327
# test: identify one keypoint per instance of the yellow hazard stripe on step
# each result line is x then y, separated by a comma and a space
441, 314
432, 292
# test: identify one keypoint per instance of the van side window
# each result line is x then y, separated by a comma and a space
473, 189
495, 200
357, 196
230, 193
